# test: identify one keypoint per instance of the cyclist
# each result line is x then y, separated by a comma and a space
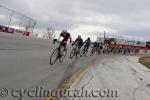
103, 48
79, 42
94, 48
100, 47
87, 44
66, 36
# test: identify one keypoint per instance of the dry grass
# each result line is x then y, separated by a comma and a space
145, 61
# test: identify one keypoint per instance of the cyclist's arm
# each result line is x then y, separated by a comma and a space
75, 41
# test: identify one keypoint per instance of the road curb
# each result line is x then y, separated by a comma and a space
70, 81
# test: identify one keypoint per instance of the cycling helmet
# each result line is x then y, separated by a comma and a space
79, 36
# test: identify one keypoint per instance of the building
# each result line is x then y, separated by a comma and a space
121, 41
147, 44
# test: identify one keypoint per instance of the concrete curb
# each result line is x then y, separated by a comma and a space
70, 81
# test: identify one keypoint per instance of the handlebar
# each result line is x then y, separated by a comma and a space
55, 40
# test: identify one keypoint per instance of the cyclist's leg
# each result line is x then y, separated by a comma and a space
59, 51
65, 47
79, 48
93, 50
97, 48
85, 49
62, 45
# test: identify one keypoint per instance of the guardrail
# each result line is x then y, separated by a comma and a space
133, 46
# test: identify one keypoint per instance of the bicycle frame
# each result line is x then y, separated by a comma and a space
75, 49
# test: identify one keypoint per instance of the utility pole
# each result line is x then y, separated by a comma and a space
104, 36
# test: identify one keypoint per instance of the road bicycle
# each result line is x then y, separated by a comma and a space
84, 51
74, 52
58, 54
93, 51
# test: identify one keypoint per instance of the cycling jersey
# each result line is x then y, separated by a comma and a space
87, 42
65, 36
79, 42
95, 44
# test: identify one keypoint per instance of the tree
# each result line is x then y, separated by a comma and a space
50, 32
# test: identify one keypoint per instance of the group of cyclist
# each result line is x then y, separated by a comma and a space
96, 48
79, 41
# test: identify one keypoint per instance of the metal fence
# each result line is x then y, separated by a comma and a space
16, 20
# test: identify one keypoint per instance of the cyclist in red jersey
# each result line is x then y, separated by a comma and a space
66, 36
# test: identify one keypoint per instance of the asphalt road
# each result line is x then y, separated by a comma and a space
24, 64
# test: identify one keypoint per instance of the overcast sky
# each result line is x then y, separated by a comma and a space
125, 18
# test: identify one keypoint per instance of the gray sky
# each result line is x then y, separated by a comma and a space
125, 18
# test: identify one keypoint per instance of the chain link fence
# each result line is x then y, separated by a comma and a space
16, 20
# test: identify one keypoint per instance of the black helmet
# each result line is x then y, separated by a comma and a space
79, 36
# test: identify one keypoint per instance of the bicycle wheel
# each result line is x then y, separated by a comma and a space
54, 57
92, 52
82, 53
63, 55
72, 53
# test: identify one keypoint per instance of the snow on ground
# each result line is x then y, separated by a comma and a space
124, 76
